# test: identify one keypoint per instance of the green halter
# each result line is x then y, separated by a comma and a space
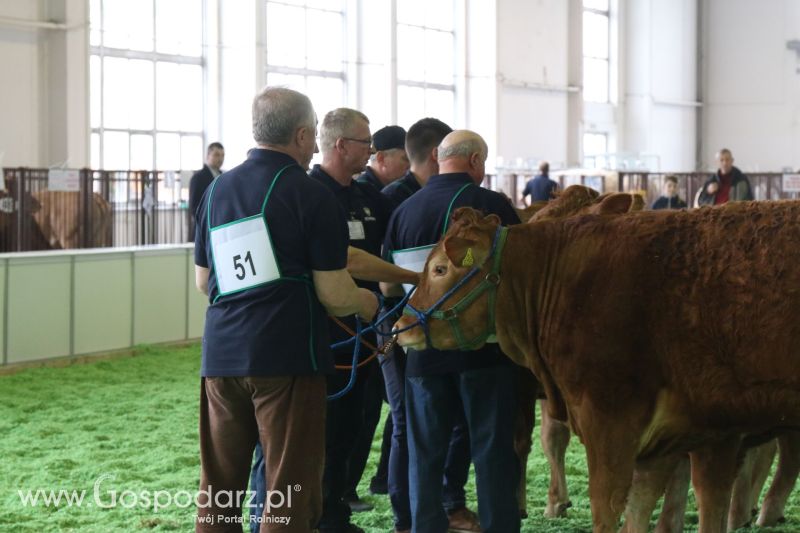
488, 284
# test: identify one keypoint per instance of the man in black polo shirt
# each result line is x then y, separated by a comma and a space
270, 252
438, 383
345, 143
389, 160
421, 142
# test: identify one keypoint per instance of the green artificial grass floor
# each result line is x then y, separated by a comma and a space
130, 424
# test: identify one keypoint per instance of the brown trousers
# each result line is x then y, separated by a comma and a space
287, 414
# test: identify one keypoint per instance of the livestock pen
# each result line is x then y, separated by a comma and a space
121, 433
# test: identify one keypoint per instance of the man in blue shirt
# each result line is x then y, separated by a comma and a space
440, 383
270, 252
541, 188
421, 142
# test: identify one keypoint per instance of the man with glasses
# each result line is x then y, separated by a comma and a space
346, 146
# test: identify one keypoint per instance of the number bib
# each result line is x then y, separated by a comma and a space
243, 255
412, 259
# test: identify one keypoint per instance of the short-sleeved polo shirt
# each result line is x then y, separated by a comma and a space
368, 177
279, 328
367, 212
401, 190
419, 221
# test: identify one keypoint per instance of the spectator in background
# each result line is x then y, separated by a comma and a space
540, 188
215, 156
670, 198
729, 184
389, 162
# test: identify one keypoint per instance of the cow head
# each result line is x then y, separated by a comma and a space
580, 200
451, 305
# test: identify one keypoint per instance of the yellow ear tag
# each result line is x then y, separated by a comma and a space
468, 259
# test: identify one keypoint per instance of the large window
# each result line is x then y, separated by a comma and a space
595, 50
426, 62
306, 49
146, 94
595, 150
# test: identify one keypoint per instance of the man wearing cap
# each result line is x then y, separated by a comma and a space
389, 161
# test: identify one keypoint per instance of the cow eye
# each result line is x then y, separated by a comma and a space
440, 270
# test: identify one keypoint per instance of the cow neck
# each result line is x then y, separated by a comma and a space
519, 317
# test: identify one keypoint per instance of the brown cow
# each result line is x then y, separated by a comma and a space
59, 219
669, 477
630, 388
555, 436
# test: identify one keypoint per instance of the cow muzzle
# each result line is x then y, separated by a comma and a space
413, 337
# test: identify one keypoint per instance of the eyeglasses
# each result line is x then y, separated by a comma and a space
362, 141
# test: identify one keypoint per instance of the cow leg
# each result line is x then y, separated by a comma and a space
784, 481
673, 509
747, 487
610, 456
713, 473
555, 439
649, 479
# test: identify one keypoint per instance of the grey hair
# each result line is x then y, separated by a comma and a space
465, 148
338, 123
278, 112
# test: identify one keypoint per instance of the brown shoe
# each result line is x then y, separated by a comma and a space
464, 521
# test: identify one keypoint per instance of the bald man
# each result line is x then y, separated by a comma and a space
440, 385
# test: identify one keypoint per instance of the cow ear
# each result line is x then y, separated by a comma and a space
492, 219
461, 251
613, 204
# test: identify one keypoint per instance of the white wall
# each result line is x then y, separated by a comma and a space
44, 94
658, 102
752, 83
533, 80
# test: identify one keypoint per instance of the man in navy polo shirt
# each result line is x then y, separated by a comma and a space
270, 252
421, 142
389, 160
438, 383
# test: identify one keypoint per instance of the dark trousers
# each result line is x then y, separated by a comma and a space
456, 469
487, 399
373, 401
286, 416
381, 478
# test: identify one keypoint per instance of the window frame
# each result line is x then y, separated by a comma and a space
154, 57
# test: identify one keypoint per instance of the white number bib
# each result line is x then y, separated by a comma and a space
412, 259
243, 255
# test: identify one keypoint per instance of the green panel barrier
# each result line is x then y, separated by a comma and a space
159, 296
197, 303
103, 302
39, 307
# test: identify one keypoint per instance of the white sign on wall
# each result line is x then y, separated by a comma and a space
791, 183
63, 180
